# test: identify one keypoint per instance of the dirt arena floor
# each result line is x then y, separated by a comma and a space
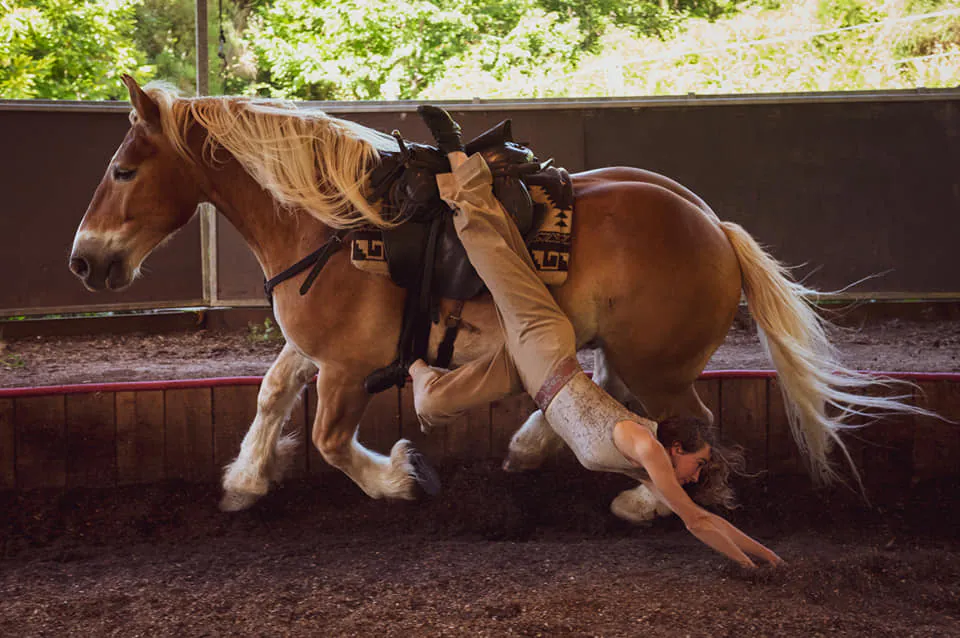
494, 554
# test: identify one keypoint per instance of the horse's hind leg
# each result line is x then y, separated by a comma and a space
341, 401
532, 444
605, 377
263, 455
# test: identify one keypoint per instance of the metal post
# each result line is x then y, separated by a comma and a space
203, 50
207, 213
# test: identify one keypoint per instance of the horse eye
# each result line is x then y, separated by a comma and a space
123, 174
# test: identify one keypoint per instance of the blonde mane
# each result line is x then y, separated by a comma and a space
305, 158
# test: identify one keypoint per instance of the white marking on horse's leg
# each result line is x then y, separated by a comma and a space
379, 476
532, 444
340, 404
263, 458
639, 505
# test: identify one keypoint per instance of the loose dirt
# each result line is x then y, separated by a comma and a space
492, 555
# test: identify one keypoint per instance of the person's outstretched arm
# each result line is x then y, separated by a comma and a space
642, 448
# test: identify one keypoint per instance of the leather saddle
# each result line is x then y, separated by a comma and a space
423, 251
405, 185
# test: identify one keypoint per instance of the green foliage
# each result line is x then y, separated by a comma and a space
449, 49
66, 49
369, 49
845, 13
785, 49
12, 361
266, 333
353, 49
164, 32
9, 360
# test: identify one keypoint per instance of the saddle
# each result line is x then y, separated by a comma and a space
423, 252
405, 186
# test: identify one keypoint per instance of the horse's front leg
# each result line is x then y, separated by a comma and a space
341, 400
263, 455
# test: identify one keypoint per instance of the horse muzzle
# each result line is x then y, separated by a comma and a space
100, 271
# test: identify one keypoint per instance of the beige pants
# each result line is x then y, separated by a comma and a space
539, 348
537, 335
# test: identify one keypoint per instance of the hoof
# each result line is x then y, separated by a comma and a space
637, 506
237, 501
426, 477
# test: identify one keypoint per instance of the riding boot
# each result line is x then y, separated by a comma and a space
445, 131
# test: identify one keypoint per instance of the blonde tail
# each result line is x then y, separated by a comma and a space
811, 377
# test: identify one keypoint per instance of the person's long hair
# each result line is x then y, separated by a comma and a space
692, 434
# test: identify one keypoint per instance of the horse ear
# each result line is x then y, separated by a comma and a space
142, 103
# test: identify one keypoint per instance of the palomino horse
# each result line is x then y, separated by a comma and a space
655, 280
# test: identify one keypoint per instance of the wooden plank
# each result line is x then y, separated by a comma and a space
140, 437
41, 442
380, 424
91, 440
234, 409
936, 449
8, 439
783, 457
506, 417
743, 418
887, 449
432, 445
709, 392
189, 434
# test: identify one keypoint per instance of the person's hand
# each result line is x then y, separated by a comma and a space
729, 541
638, 445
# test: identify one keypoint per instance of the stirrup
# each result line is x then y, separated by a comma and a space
385, 378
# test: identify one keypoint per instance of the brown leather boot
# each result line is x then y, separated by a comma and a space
445, 131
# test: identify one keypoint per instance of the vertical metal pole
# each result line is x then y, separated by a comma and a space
208, 214
203, 50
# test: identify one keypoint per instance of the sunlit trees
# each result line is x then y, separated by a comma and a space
66, 49
370, 49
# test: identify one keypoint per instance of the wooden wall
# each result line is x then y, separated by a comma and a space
120, 434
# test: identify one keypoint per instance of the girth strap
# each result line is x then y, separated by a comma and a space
445, 350
317, 259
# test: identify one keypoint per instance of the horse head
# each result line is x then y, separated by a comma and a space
146, 193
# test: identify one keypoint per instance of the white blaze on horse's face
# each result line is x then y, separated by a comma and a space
146, 194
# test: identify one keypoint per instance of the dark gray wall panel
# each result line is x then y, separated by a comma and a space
850, 186
51, 163
849, 189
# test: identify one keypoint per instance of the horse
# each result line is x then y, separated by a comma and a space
655, 280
